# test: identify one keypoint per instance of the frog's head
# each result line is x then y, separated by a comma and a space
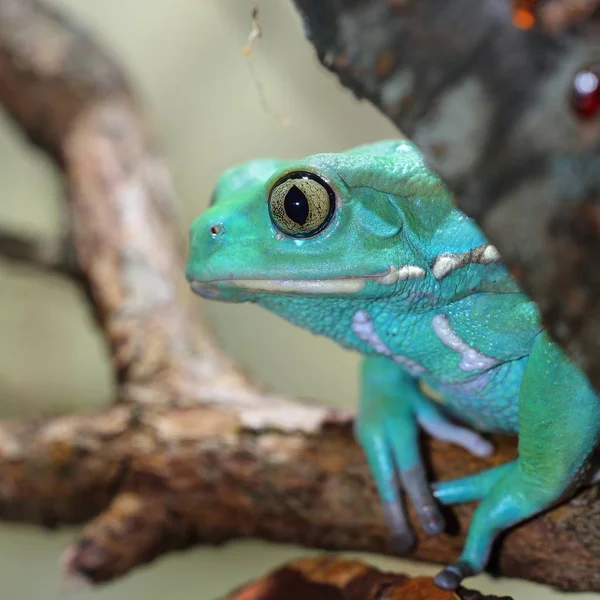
337, 225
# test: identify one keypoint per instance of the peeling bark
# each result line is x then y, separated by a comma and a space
339, 579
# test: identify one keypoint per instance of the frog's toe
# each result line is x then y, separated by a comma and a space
431, 520
451, 577
480, 447
414, 481
382, 467
391, 445
403, 538
445, 431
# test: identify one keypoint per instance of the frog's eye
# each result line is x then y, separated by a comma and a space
301, 204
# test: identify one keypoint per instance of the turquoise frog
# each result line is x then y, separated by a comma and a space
367, 248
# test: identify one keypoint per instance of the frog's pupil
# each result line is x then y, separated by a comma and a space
296, 205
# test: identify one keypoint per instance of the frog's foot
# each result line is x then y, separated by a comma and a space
389, 438
451, 577
388, 432
510, 498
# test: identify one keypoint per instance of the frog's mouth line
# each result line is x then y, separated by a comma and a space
342, 285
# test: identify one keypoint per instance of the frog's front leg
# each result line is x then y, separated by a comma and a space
391, 408
559, 422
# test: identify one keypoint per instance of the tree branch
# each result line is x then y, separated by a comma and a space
49, 255
71, 99
194, 452
166, 478
338, 579
490, 105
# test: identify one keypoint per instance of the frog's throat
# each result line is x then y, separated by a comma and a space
341, 285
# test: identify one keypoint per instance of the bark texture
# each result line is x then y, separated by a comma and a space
191, 451
155, 479
338, 579
485, 88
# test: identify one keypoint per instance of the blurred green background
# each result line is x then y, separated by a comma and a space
185, 58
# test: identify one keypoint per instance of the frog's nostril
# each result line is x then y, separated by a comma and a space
217, 229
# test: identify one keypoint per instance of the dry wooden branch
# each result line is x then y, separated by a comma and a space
490, 104
53, 256
192, 452
163, 478
338, 579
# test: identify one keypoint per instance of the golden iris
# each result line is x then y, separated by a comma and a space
301, 204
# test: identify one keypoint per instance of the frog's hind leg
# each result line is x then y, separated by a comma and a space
559, 419
476, 487
472, 487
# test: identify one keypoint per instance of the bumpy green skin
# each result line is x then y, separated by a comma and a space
448, 315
